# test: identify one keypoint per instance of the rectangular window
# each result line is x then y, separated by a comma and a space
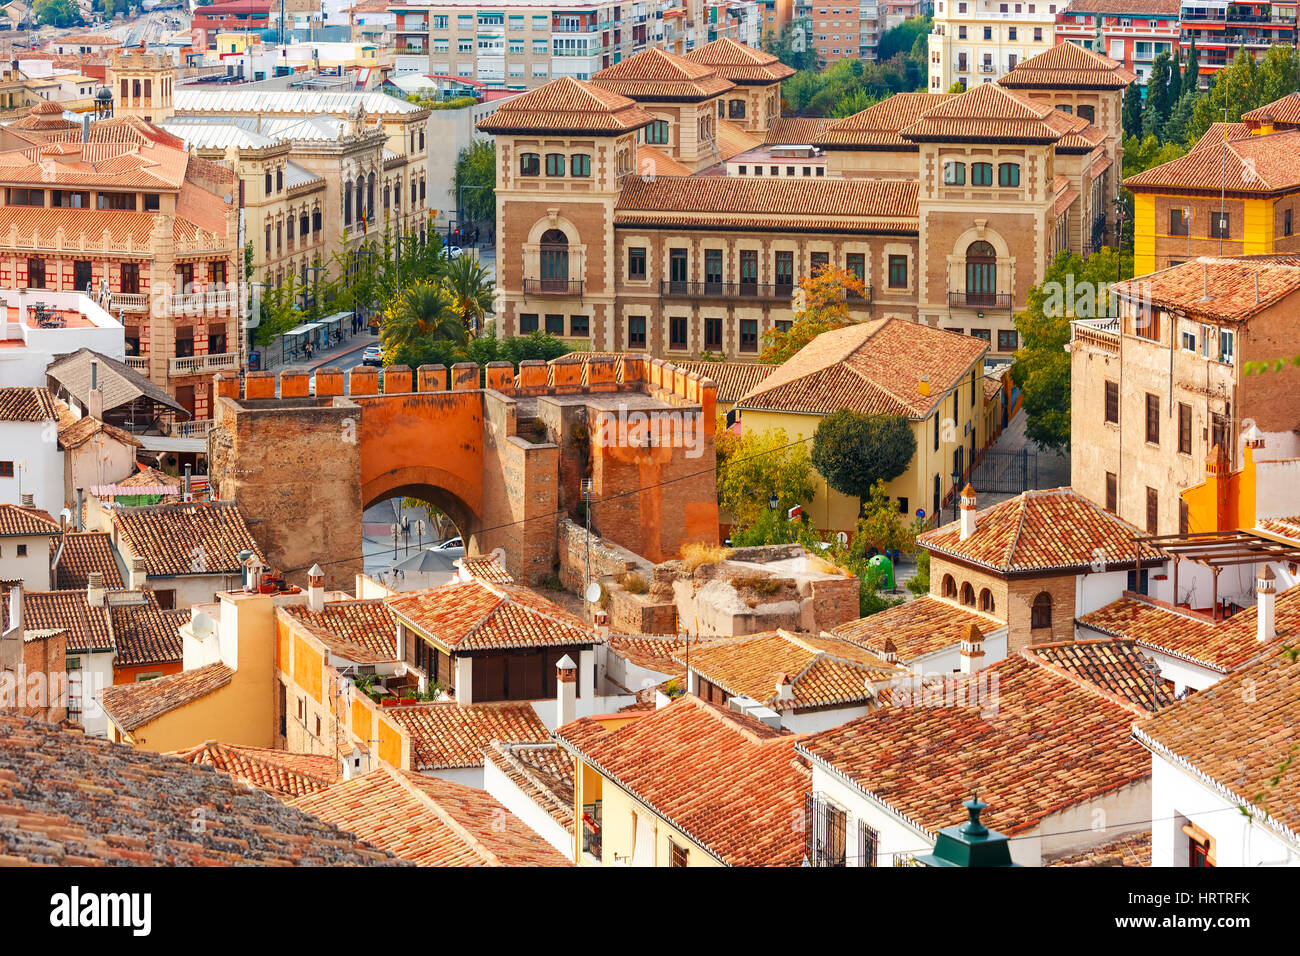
749, 335
636, 263
1153, 511
1112, 402
817, 262
579, 326
981, 174
1189, 342
677, 333
1178, 222
1286, 222
1008, 340
1219, 226
81, 273
36, 273
555, 325
785, 269
1184, 429
713, 333
712, 269
636, 332
555, 164
856, 263
1153, 419
1112, 492
580, 165
528, 323
676, 854
1226, 346
657, 133
898, 272
678, 268
748, 271
530, 164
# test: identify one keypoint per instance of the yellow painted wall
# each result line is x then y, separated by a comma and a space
617, 829
1144, 233
307, 667
1258, 240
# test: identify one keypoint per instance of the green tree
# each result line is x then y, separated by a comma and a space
919, 583
418, 321
1131, 114
825, 307
471, 291
476, 171
57, 13
853, 450
276, 308
790, 48
750, 467
1192, 70
1157, 102
902, 38
1072, 288
882, 526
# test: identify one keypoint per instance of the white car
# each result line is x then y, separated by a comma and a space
452, 252
452, 548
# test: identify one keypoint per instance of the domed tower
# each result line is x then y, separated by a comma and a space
103, 103
142, 85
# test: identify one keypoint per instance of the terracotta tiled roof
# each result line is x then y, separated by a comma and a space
989, 113
446, 736
566, 105
23, 404
795, 130
16, 522
75, 432
734, 139
1234, 736
656, 162
82, 553
485, 567
362, 631
1218, 132
147, 477
873, 367
821, 671
1281, 527
1126, 851
655, 75
1266, 164
543, 772
1283, 112
281, 773
1040, 744
733, 379
1115, 666
132, 706
89, 631
430, 822
1221, 646
142, 631
1069, 66
916, 628
1228, 290
879, 124
735, 199
1155, 8
169, 536
739, 63
655, 653
992, 386
473, 615
76, 800
1053, 529
45, 224
730, 784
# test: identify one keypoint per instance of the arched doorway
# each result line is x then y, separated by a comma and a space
555, 261
434, 528
981, 274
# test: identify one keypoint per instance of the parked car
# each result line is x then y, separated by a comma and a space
373, 355
451, 548
452, 252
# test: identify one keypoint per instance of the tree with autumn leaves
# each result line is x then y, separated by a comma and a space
825, 308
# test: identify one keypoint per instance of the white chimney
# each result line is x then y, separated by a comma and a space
136, 573
95, 399
967, 512
972, 650
316, 589
566, 691
784, 692
1265, 605
15, 608
890, 651
95, 589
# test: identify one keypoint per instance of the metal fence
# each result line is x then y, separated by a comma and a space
1006, 472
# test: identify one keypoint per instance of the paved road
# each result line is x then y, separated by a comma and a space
1053, 468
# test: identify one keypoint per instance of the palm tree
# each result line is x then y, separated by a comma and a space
420, 316
471, 290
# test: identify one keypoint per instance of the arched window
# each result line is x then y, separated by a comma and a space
530, 164
981, 274
279, 180
949, 586
986, 601
347, 203
657, 133
304, 224
954, 173
736, 109
1009, 174
315, 220
1041, 614
981, 174
555, 260
370, 197
361, 199
967, 594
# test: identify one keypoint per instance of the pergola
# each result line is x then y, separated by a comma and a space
1216, 550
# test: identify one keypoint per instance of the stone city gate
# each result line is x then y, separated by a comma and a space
502, 453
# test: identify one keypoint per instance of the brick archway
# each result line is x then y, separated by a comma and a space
430, 488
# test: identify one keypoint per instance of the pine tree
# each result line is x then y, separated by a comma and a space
1131, 115
1157, 95
1192, 69
1175, 79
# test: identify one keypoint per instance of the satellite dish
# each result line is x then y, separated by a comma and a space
203, 625
593, 592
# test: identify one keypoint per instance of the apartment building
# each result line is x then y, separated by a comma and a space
948, 207
1161, 390
521, 45
1133, 32
977, 41
837, 30
1221, 30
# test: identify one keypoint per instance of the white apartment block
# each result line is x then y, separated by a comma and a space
979, 41
521, 44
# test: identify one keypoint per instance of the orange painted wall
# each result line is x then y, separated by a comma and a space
306, 668
129, 675
390, 744
1223, 503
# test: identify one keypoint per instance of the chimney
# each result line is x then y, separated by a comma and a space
95, 400
95, 589
784, 691
27, 499
972, 650
1265, 606
136, 572
15, 608
316, 589
923, 385
890, 651
967, 511
566, 691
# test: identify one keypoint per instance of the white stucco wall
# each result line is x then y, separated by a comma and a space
814, 721
96, 674
507, 793
896, 836
1178, 798
38, 464
33, 569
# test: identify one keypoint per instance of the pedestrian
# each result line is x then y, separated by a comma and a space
307, 349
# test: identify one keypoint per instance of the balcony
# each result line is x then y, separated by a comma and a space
202, 364
197, 428
131, 301
138, 362
980, 300
763, 291
201, 303
552, 287
1099, 333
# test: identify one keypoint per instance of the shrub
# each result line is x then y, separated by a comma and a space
633, 583
696, 553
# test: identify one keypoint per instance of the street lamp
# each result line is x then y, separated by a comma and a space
773, 501
956, 493
1120, 212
